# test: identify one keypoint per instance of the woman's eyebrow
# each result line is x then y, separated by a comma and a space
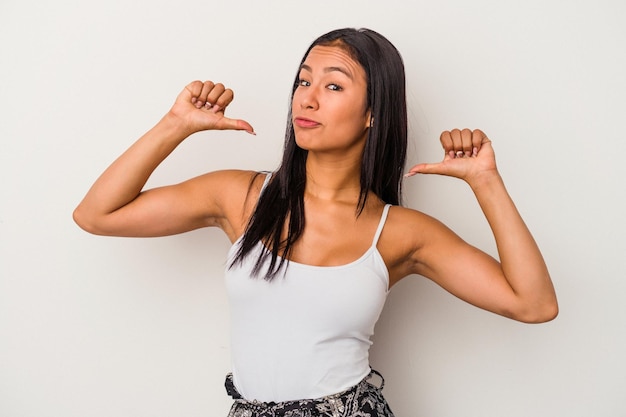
329, 69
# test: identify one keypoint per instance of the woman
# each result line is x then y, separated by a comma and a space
318, 243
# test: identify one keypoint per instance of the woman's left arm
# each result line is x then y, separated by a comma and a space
521, 279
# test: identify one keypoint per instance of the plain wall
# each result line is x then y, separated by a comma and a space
93, 326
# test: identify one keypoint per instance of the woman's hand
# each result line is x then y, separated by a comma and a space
467, 155
201, 106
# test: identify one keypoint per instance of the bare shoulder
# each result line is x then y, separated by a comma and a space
231, 195
230, 182
404, 228
404, 221
406, 233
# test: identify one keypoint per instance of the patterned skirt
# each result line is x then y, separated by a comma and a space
362, 400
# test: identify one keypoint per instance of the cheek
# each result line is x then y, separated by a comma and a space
354, 117
357, 110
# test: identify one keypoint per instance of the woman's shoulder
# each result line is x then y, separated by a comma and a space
232, 183
413, 224
240, 184
407, 224
406, 231
233, 192
234, 175
407, 216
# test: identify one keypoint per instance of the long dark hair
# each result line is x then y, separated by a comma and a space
383, 159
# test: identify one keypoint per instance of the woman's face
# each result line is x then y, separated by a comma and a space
329, 106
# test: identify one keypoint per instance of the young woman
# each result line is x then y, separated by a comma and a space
318, 244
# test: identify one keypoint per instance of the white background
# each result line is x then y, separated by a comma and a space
93, 326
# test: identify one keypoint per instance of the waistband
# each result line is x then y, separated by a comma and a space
331, 404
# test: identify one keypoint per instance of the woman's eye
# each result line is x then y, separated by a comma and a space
334, 87
303, 83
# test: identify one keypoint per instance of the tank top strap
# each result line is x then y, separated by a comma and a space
268, 176
381, 224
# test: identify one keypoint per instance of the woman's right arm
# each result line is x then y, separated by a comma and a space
116, 206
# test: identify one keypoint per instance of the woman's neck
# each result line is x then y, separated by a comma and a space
333, 179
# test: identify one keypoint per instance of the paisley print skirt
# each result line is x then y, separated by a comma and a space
362, 400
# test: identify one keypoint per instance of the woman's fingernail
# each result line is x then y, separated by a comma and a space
252, 132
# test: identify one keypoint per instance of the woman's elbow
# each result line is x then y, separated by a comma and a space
85, 222
548, 311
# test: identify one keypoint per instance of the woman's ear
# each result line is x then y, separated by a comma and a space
369, 120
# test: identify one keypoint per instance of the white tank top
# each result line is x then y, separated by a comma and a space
306, 334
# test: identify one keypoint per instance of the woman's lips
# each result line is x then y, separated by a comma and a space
304, 122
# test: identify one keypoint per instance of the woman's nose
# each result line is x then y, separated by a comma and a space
309, 98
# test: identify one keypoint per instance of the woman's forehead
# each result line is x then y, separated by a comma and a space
324, 58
